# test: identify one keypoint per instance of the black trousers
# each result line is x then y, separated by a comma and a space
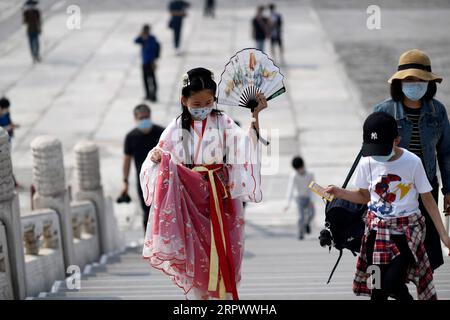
145, 208
150, 84
393, 275
177, 24
432, 240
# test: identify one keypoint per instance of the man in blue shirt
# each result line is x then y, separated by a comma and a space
150, 52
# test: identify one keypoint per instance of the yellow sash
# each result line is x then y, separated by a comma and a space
214, 269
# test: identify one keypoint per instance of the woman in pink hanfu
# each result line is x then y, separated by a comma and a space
195, 180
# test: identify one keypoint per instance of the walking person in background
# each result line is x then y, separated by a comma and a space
210, 7
150, 51
424, 129
177, 10
260, 28
7, 124
276, 23
32, 18
299, 181
138, 142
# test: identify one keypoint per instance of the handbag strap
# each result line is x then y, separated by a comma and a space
352, 170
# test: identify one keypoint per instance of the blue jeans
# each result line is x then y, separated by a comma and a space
33, 39
260, 44
306, 214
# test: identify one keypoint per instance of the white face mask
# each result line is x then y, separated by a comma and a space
384, 158
200, 113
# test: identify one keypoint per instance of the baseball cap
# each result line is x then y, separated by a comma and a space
379, 133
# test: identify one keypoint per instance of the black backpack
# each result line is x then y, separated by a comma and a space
158, 49
344, 223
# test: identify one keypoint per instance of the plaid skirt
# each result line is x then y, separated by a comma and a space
419, 272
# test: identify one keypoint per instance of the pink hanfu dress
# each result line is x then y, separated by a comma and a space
195, 231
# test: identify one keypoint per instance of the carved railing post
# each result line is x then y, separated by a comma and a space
88, 187
10, 216
51, 191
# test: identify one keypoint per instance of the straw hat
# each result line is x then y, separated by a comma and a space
415, 63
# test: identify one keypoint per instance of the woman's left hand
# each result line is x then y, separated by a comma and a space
262, 103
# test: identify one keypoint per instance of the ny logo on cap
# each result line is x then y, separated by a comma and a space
374, 136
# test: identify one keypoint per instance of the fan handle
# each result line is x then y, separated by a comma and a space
252, 104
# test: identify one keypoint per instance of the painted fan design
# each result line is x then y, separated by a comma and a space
249, 72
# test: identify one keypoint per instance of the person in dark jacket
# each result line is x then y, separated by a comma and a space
260, 28
32, 18
150, 51
177, 9
276, 23
424, 129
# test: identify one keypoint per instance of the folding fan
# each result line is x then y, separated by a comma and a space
249, 72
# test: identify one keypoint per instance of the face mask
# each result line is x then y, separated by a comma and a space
384, 158
414, 90
200, 113
144, 124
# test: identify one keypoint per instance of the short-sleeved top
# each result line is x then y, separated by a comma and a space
394, 186
138, 144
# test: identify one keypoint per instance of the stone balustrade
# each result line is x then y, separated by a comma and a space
38, 247
6, 289
85, 232
44, 257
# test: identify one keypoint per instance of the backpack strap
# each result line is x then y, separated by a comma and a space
335, 266
352, 170
347, 179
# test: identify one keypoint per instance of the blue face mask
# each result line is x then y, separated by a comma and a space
414, 90
384, 158
200, 113
145, 124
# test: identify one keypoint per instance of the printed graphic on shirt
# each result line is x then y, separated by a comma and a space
389, 189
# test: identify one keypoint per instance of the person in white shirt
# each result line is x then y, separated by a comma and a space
298, 185
390, 180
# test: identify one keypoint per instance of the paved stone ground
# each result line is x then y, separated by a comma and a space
371, 56
90, 81
275, 267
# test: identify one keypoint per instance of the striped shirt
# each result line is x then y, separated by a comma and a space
415, 145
